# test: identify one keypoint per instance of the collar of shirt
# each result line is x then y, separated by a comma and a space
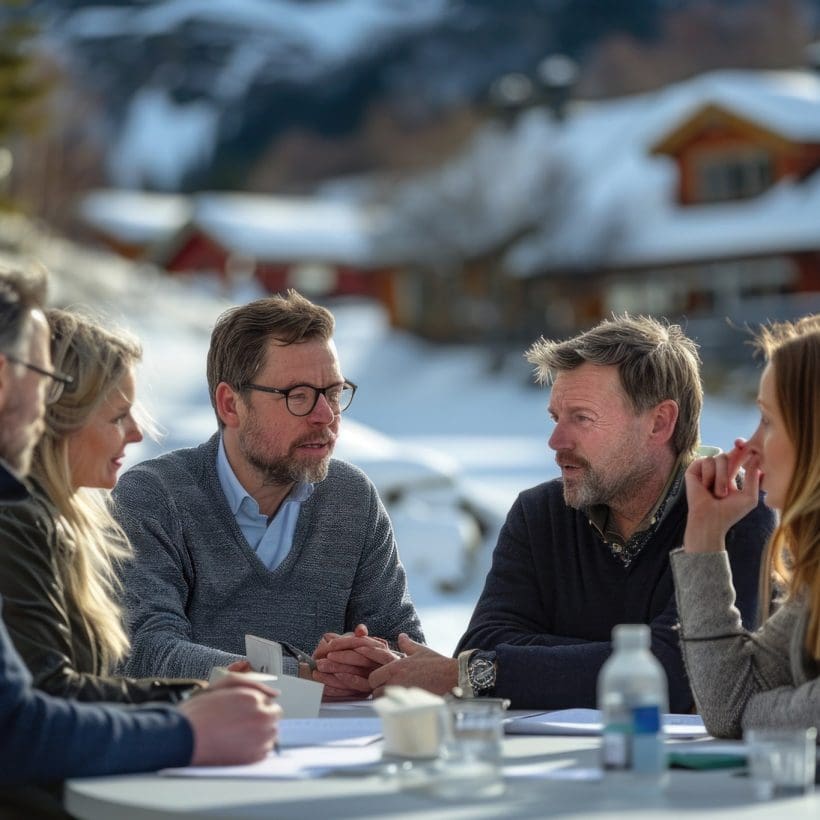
242, 504
599, 514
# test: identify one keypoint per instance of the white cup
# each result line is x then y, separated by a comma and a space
414, 732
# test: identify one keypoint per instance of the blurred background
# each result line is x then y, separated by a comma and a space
454, 178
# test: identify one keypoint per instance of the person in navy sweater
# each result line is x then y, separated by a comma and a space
583, 553
45, 739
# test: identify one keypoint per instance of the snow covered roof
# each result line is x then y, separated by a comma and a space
135, 217
268, 228
786, 102
618, 207
625, 212
289, 228
783, 220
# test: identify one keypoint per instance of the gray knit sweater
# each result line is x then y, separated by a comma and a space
196, 587
742, 680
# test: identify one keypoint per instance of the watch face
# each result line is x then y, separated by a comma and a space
482, 673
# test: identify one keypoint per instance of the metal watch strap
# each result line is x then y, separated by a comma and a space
463, 677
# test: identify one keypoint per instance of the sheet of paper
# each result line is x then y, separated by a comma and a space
298, 698
302, 763
684, 726
543, 771
349, 706
587, 722
264, 655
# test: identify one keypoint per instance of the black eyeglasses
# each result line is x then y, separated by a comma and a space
302, 398
58, 380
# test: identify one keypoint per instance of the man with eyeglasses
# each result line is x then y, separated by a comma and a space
45, 739
258, 530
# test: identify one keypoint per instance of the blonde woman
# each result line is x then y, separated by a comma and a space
59, 548
770, 678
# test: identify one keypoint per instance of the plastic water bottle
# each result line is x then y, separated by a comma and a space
633, 697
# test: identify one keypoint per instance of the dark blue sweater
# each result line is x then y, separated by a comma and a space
45, 739
555, 591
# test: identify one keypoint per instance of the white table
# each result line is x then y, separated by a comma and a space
716, 794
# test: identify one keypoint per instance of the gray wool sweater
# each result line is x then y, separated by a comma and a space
195, 586
742, 680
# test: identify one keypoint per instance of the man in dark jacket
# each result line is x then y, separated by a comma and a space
44, 739
583, 553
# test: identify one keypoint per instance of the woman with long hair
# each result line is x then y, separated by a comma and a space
769, 678
59, 550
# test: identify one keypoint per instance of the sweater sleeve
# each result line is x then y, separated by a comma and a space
45, 739
739, 679
380, 598
158, 584
37, 615
536, 669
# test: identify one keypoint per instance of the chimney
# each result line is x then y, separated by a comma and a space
556, 75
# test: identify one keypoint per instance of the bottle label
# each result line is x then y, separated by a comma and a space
646, 720
648, 755
635, 743
615, 746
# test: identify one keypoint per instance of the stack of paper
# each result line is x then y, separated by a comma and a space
588, 722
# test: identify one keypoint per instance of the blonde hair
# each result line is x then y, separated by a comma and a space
793, 553
96, 359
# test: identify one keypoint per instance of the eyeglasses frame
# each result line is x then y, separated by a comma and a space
58, 378
320, 391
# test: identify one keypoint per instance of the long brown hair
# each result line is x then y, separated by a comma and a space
793, 553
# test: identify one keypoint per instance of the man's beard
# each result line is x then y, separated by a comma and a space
592, 488
17, 456
282, 470
17, 445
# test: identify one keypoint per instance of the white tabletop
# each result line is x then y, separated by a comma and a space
720, 793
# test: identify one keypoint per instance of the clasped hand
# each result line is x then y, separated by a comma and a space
344, 662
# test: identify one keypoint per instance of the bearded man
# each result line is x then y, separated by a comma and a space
585, 552
259, 530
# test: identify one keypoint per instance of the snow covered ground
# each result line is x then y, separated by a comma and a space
422, 413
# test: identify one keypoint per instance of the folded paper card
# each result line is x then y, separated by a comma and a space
413, 722
264, 655
298, 698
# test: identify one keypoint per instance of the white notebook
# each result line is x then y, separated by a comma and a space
588, 722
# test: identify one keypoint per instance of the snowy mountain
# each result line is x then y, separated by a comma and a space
195, 92
190, 85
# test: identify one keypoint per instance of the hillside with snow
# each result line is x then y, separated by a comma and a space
195, 93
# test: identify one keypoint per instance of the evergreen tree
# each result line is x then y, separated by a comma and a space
23, 83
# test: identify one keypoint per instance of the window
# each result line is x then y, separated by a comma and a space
734, 176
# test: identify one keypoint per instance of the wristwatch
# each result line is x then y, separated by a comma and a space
481, 671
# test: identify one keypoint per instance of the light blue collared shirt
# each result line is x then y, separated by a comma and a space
271, 538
